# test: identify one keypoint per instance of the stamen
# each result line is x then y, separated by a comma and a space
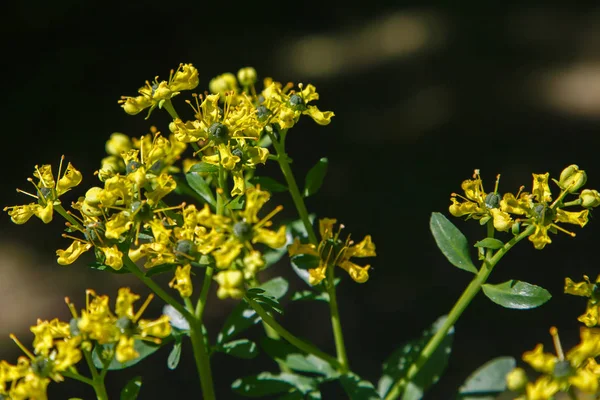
337, 235
202, 149
62, 158
519, 192
76, 217
572, 234
269, 216
182, 205
75, 238
71, 307
497, 183
149, 339
557, 345
27, 193
143, 307
23, 348
40, 176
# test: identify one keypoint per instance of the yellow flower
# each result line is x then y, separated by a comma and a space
182, 281
231, 284
46, 332
48, 190
592, 292
156, 94
72, 253
332, 251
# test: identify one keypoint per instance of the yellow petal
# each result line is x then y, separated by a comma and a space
114, 258
540, 361
68, 256
502, 221
357, 273
326, 228
316, 275
70, 179
572, 217
182, 281
271, 238
541, 190
540, 237
159, 327
579, 288
366, 248
298, 248
320, 117
45, 213
21, 214
125, 350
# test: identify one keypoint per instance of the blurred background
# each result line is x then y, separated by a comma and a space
422, 97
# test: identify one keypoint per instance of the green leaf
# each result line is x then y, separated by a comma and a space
132, 389
311, 295
101, 267
358, 389
144, 348
204, 167
516, 294
176, 319
241, 348
296, 395
269, 302
487, 381
236, 203
243, 317
268, 184
295, 359
490, 243
266, 383
451, 242
306, 261
160, 269
397, 364
314, 178
174, 356
199, 185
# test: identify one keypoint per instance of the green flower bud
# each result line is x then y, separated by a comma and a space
247, 76
589, 198
516, 380
572, 178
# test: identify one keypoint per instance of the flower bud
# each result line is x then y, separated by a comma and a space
572, 178
589, 198
516, 380
222, 83
186, 78
230, 284
117, 144
247, 76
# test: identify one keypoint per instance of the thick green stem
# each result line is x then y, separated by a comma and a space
335, 321
201, 355
59, 209
97, 379
284, 164
306, 347
459, 307
77, 377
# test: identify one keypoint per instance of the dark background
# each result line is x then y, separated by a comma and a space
422, 96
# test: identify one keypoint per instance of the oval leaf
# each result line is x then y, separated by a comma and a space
490, 243
451, 242
487, 381
199, 185
174, 356
516, 294
242, 348
204, 167
305, 261
314, 178
132, 389
282, 351
143, 348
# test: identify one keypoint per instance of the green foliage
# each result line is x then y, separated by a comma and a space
132, 389
267, 384
490, 243
451, 242
314, 178
241, 348
358, 389
487, 381
199, 185
269, 184
516, 294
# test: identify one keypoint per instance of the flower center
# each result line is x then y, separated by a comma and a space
243, 231
218, 133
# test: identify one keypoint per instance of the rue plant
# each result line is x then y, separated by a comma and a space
227, 231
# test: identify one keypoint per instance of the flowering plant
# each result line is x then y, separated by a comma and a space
226, 233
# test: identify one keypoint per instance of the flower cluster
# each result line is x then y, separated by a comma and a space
592, 292
58, 346
509, 211
559, 372
333, 251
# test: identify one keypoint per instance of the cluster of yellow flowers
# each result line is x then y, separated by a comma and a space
58, 345
510, 211
559, 373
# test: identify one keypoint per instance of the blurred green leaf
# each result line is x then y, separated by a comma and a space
488, 381
132, 389
306, 261
266, 383
295, 359
143, 348
397, 364
451, 242
241, 348
358, 389
268, 184
311, 296
516, 294
199, 185
314, 178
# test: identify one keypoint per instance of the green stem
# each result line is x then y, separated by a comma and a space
284, 164
306, 347
335, 321
156, 288
459, 307
167, 105
59, 209
201, 354
97, 379
77, 377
